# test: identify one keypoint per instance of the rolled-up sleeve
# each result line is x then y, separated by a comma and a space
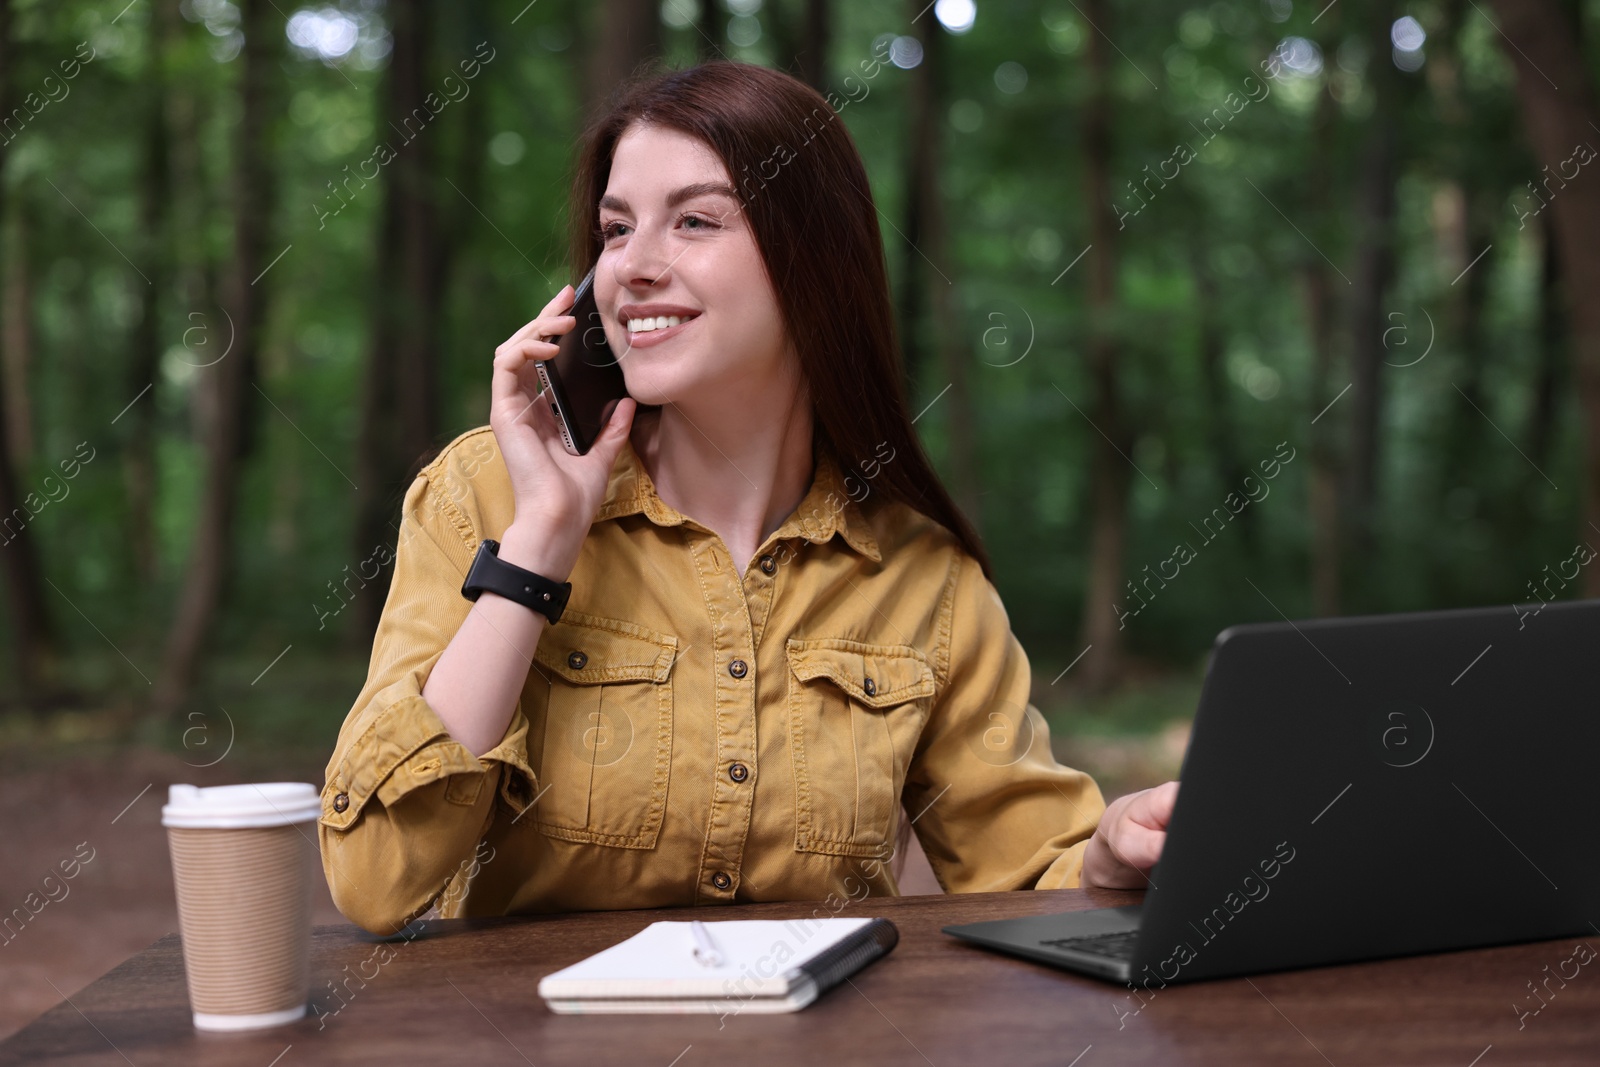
992, 807
405, 804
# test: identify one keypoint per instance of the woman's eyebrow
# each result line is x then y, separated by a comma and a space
677, 196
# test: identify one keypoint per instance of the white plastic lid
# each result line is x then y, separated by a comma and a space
235, 807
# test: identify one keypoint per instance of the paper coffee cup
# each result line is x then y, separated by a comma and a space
242, 873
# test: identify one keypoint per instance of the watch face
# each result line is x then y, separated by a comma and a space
477, 574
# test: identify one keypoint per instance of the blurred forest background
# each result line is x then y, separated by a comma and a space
1299, 286
257, 257
1213, 312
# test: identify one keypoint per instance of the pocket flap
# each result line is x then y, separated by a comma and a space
877, 676
590, 650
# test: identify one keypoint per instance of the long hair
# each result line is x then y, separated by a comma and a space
804, 190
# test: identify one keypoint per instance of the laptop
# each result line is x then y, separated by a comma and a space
1365, 787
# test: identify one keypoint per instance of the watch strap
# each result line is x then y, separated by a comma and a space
490, 572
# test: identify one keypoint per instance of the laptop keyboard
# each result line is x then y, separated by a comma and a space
1117, 946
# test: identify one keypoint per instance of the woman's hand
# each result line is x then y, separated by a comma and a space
556, 493
1128, 841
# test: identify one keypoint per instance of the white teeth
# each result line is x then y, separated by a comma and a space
660, 322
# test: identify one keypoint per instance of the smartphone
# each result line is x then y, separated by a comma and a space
584, 379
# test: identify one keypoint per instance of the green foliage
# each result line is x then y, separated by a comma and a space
1463, 518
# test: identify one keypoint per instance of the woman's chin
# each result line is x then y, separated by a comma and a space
658, 382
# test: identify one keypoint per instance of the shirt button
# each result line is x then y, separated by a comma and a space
721, 880
769, 565
738, 668
341, 801
738, 772
869, 687
576, 660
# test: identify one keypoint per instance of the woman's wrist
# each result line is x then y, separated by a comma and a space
542, 547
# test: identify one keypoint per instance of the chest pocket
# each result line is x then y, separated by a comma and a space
856, 711
606, 733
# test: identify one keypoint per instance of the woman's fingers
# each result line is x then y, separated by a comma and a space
514, 374
1137, 846
514, 354
542, 327
1138, 825
1133, 831
1152, 808
552, 312
604, 451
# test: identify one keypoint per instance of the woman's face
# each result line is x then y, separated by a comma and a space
674, 245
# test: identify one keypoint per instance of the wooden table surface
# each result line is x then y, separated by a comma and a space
464, 991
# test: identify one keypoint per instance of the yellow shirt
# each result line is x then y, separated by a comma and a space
690, 734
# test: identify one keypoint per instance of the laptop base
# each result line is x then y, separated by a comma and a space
1038, 937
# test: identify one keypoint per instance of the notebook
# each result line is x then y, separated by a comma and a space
766, 965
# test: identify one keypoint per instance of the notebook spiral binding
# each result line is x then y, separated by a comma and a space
833, 965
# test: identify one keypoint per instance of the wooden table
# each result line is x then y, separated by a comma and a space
463, 992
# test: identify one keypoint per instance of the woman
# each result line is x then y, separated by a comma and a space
780, 628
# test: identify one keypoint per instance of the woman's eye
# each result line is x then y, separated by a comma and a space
613, 228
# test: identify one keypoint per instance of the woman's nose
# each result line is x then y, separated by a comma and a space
644, 261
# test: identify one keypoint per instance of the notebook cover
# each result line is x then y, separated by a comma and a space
769, 965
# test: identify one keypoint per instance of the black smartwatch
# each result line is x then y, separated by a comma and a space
490, 572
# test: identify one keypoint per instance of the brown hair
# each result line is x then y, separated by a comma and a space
794, 165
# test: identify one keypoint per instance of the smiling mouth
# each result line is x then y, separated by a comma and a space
656, 324
657, 335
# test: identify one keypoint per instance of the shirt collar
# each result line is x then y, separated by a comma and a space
825, 510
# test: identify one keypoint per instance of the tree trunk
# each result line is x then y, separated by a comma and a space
937, 271
625, 33
1230, 469
19, 335
1109, 473
416, 176
191, 214
1323, 494
399, 407
909, 290
33, 635
228, 381
1466, 327
206, 333
1557, 102
711, 26
139, 449
1552, 333
800, 40
1375, 259
815, 42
